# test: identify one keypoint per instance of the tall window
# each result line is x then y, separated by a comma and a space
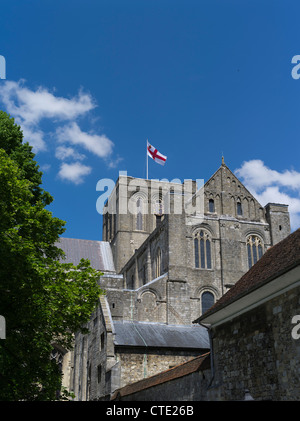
139, 214
239, 209
207, 300
158, 263
202, 250
211, 205
254, 249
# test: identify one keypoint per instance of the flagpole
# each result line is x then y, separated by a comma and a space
147, 158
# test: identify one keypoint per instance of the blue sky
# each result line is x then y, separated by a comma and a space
90, 81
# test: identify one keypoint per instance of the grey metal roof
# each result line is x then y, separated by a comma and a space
143, 334
98, 252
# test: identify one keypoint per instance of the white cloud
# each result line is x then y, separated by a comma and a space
29, 107
99, 145
32, 135
271, 186
259, 176
46, 167
114, 163
62, 153
32, 107
74, 172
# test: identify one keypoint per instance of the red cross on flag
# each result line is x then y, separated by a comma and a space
155, 155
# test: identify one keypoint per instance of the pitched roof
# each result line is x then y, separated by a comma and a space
159, 335
277, 260
201, 362
224, 171
97, 252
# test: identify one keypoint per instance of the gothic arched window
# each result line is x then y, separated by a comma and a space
239, 209
202, 250
211, 205
207, 300
254, 249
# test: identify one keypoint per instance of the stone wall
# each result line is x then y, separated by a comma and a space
256, 351
185, 389
136, 365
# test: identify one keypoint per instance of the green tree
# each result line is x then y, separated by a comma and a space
43, 300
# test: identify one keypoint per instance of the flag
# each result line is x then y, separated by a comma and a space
155, 155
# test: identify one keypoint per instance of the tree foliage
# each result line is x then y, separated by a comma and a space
43, 300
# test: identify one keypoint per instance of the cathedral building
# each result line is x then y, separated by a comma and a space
170, 251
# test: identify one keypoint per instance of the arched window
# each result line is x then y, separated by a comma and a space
239, 210
139, 214
158, 263
211, 205
207, 300
202, 250
254, 249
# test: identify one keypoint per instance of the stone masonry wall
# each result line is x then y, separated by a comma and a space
256, 351
138, 365
188, 388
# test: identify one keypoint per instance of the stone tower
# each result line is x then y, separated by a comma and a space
135, 208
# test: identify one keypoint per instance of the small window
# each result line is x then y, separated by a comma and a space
211, 205
207, 301
99, 372
158, 263
102, 338
239, 210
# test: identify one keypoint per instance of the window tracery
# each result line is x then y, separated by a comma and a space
254, 249
202, 250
